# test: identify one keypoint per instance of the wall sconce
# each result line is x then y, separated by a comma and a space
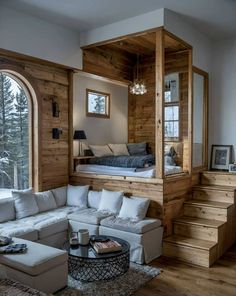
55, 108
56, 132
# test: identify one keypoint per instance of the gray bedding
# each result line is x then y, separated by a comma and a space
137, 161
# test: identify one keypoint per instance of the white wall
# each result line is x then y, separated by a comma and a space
222, 117
99, 130
36, 37
202, 45
135, 24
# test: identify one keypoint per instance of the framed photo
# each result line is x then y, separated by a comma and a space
221, 157
232, 168
97, 104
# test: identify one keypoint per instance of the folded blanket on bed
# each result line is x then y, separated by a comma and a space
125, 161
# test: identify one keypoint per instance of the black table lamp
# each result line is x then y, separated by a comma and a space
79, 135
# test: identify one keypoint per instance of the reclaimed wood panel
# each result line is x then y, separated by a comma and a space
49, 82
137, 188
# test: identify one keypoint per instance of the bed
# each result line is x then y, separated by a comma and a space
125, 161
148, 172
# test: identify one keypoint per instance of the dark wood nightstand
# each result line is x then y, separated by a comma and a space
81, 160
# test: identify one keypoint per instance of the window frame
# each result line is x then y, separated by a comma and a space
172, 104
32, 92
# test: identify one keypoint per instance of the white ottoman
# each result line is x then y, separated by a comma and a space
41, 267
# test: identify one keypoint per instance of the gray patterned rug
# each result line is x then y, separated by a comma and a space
125, 285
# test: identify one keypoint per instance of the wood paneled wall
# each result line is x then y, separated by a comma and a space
53, 155
141, 115
108, 62
146, 188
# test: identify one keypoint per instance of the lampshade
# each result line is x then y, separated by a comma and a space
79, 135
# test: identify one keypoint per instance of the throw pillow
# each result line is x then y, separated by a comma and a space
110, 201
137, 148
94, 198
60, 195
25, 203
77, 196
119, 149
45, 201
7, 210
134, 208
100, 151
169, 160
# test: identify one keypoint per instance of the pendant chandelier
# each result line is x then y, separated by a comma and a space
138, 86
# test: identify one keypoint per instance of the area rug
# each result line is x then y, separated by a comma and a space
125, 285
12, 288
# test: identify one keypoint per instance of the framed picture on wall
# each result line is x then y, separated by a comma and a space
221, 157
97, 104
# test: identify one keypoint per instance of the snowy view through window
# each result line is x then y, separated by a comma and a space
14, 136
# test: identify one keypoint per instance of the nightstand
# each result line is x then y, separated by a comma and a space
81, 160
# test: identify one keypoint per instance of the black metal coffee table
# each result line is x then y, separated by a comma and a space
85, 264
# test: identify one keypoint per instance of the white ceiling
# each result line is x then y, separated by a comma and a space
216, 18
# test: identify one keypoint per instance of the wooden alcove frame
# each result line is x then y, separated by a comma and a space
167, 193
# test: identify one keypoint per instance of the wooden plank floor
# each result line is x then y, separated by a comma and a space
179, 279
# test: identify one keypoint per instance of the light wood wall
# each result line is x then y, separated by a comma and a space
47, 81
141, 109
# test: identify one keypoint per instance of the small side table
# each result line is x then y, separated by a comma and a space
81, 160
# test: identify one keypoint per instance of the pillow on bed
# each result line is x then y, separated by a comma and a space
119, 149
100, 151
134, 208
137, 148
169, 160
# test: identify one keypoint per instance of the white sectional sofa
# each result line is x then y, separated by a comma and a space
48, 217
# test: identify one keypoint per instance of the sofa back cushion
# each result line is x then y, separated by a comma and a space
94, 198
60, 195
134, 208
45, 201
110, 201
25, 203
77, 196
7, 210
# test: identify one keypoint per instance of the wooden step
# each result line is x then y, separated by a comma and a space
208, 209
214, 193
198, 228
218, 178
194, 251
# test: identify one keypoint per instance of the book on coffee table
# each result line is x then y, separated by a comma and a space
106, 247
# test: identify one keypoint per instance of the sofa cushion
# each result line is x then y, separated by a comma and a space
134, 208
60, 195
37, 260
47, 223
77, 196
94, 198
7, 210
18, 228
110, 201
129, 225
25, 203
90, 216
51, 226
45, 201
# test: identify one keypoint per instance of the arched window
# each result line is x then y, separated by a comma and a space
16, 166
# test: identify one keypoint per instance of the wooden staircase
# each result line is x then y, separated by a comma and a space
207, 228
